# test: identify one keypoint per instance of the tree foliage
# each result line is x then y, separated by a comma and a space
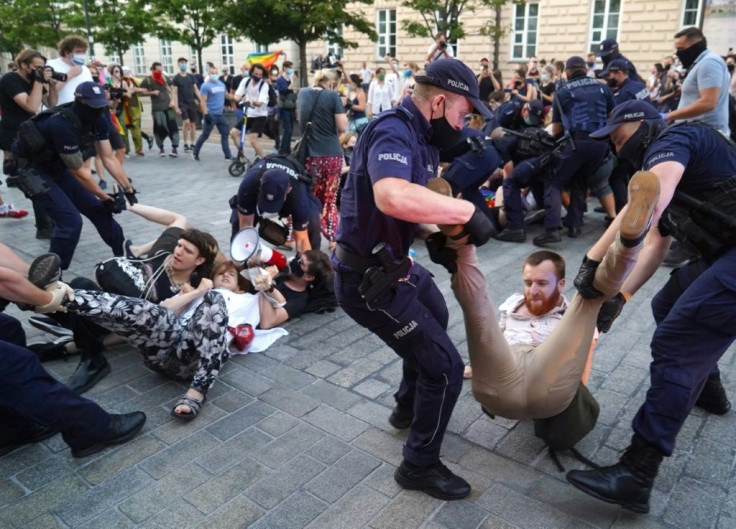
193, 22
303, 21
34, 23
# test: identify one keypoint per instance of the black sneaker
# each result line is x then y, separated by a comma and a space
713, 398
508, 235
436, 480
121, 430
45, 270
548, 237
401, 418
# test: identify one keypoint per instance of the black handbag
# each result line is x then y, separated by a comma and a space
301, 149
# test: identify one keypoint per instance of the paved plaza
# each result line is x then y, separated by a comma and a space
298, 437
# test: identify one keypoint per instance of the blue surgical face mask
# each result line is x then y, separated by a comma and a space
290, 71
79, 58
407, 73
543, 77
183, 66
213, 77
245, 75
528, 121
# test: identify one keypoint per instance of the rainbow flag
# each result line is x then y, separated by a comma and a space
266, 58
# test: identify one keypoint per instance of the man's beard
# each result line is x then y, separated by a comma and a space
547, 304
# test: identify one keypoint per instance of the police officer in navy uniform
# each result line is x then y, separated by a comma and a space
609, 52
57, 180
276, 186
696, 167
624, 87
379, 287
580, 107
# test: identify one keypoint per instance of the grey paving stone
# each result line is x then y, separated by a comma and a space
23, 457
240, 513
158, 495
339, 424
180, 515
494, 522
279, 451
292, 402
328, 450
45, 472
173, 431
272, 490
381, 445
407, 511
254, 362
353, 510
626, 379
382, 480
236, 422
296, 512
485, 432
232, 401
247, 381
9, 492
220, 489
557, 493
510, 473
166, 461
372, 388
304, 359
520, 443
156, 397
45, 500
109, 519
694, 504
337, 397
233, 450
289, 377
354, 373
102, 497
278, 423
521, 510
343, 475
459, 515
46, 521
372, 413
322, 368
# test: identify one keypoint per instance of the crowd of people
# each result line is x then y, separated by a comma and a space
437, 152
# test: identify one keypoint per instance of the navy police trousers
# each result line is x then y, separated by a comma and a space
412, 320
686, 346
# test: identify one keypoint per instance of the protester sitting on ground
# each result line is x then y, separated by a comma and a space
172, 260
35, 406
187, 336
522, 369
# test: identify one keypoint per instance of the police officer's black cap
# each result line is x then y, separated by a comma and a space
618, 65
575, 62
91, 94
454, 76
607, 47
272, 193
634, 110
536, 111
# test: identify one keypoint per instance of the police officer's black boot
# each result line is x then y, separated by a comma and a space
713, 398
628, 482
92, 368
548, 237
436, 480
401, 417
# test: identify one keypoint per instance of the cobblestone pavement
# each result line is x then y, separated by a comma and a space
298, 436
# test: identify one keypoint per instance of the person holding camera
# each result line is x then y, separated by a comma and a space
440, 49
21, 95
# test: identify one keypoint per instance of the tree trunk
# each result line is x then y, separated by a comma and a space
303, 65
497, 38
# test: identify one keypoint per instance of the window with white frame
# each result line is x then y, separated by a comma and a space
333, 47
386, 28
227, 53
139, 60
604, 21
166, 58
691, 10
526, 20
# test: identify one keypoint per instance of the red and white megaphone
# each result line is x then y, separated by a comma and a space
248, 245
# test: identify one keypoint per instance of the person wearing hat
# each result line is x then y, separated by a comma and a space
624, 87
382, 204
694, 311
56, 178
276, 186
608, 51
580, 107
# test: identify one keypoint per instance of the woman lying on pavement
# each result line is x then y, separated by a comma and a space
189, 336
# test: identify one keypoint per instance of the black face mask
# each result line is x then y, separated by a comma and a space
730, 68
443, 135
295, 266
633, 150
612, 83
87, 115
96, 78
688, 55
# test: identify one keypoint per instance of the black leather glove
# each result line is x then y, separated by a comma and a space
111, 206
441, 254
480, 228
584, 280
610, 310
130, 196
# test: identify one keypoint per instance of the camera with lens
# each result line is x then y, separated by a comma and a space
56, 76
443, 44
116, 94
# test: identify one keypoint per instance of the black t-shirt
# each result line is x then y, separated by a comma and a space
295, 301
163, 247
547, 90
485, 89
185, 89
12, 84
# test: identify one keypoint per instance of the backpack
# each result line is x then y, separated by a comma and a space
273, 98
290, 165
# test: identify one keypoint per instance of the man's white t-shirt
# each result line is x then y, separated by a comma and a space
252, 93
66, 94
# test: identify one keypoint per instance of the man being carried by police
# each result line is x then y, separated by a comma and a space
51, 149
624, 87
278, 186
383, 202
580, 107
529, 365
609, 52
696, 167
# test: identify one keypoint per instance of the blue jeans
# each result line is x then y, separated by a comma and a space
287, 122
208, 123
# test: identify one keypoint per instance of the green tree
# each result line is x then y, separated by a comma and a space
35, 23
195, 22
302, 21
436, 16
